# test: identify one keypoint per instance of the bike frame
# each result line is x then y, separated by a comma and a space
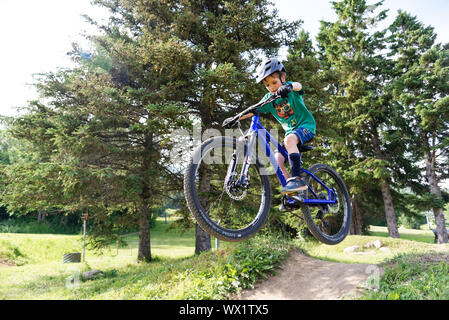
257, 131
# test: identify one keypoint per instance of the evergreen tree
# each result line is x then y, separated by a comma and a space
360, 110
421, 87
97, 141
227, 38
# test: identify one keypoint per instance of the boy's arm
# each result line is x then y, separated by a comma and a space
284, 90
248, 115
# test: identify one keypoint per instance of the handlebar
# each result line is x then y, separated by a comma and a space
236, 119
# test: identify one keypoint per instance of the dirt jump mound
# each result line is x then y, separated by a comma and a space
305, 278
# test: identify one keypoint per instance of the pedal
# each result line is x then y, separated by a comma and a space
286, 206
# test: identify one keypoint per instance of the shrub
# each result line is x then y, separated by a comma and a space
411, 221
217, 274
31, 225
11, 254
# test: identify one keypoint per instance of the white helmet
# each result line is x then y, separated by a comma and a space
267, 67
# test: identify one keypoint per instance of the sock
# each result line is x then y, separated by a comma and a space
295, 163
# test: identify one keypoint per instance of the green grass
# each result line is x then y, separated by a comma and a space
368, 256
413, 276
174, 273
31, 266
407, 234
410, 241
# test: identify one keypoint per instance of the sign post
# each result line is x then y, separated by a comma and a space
84, 234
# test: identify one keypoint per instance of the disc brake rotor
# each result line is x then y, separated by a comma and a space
234, 192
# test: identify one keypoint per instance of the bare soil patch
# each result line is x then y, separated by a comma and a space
6, 263
305, 278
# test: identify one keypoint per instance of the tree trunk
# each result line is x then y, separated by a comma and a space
202, 238
144, 253
357, 222
64, 220
389, 210
41, 216
440, 220
386, 194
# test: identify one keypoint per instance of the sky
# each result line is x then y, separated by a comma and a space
35, 35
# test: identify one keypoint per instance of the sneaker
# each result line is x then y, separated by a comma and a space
291, 204
295, 184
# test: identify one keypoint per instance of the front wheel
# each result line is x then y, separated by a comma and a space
329, 223
229, 212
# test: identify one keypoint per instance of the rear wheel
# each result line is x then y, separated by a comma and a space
329, 223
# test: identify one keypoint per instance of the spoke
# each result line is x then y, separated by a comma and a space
219, 201
222, 208
253, 194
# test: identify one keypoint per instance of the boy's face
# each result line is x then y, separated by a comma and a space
272, 83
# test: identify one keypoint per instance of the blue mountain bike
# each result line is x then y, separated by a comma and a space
228, 191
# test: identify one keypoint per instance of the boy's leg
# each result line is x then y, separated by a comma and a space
294, 158
281, 160
295, 183
291, 202
299, 136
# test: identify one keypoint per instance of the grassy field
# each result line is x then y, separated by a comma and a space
39, 257
174, 273
423, 235
410, 242
31, 266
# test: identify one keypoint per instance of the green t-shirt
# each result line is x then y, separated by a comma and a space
291, 112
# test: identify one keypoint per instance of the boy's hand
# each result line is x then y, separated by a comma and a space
284, 90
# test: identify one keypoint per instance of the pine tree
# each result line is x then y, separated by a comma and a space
101, 137
227, 38
98, 138
359, 109
421, 86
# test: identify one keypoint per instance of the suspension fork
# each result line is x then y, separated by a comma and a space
243, 179
231, 169
248, 148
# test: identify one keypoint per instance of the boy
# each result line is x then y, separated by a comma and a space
294, 117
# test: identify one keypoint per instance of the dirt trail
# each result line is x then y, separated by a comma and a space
304, 278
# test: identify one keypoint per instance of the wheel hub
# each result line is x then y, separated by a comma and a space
234, 189
325, 208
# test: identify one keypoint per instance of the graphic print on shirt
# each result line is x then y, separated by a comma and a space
293, 123
283, 109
